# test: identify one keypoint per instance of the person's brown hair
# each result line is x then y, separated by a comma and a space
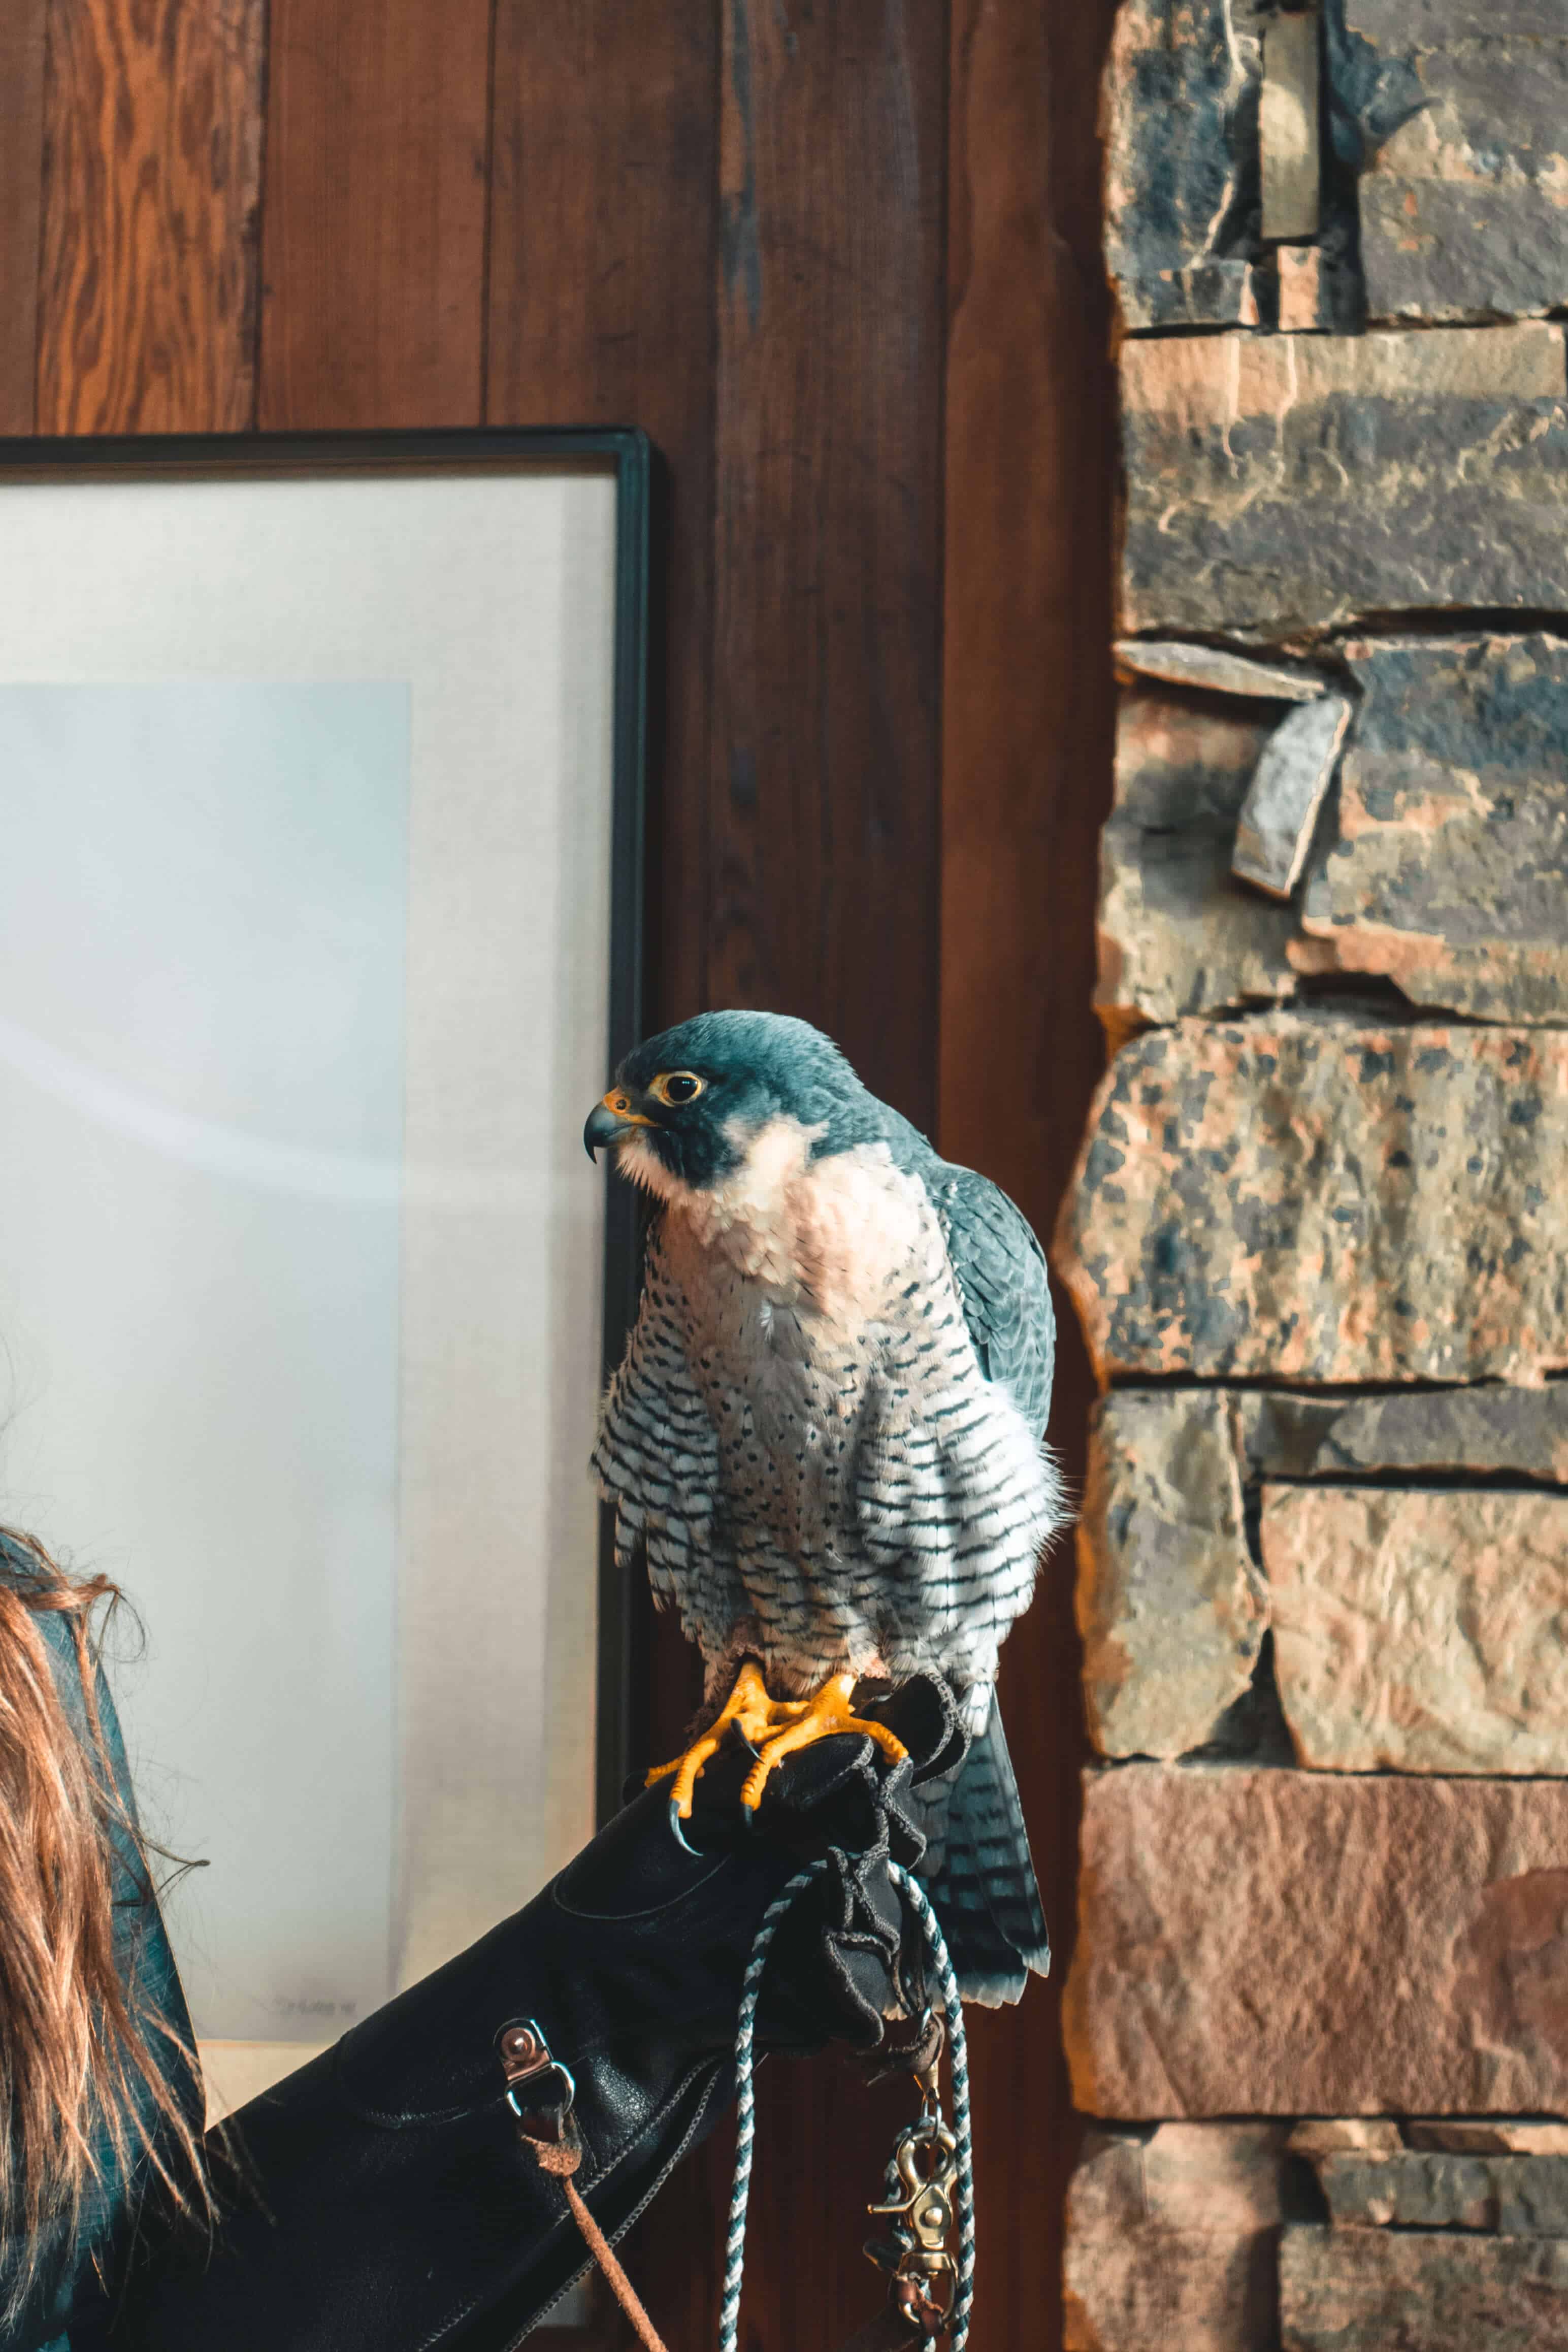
88, 2084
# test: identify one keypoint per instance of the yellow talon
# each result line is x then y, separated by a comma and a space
775, 1728
826, 1713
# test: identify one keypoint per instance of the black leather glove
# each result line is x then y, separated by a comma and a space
380, 2200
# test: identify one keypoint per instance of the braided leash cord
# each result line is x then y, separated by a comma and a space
963, 2149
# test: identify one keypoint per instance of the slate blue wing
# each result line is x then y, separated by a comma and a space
1001, 1271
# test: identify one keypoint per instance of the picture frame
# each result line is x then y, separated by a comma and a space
602, 559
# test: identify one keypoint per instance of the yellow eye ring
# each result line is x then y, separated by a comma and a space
675, 1087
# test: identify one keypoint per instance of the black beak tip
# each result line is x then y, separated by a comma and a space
601, 1127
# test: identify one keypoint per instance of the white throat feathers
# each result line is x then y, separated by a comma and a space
809, 1233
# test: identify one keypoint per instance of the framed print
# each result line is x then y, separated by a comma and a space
321, 777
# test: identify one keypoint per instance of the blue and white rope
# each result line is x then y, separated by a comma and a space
964, 2145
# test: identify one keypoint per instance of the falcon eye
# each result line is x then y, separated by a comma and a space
677, 1087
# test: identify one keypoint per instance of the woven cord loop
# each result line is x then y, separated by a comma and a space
745, 2105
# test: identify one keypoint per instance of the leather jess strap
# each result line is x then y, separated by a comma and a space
550, 2131
561, 2160
890, 2331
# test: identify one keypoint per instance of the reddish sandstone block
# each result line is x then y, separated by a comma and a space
1299, 1943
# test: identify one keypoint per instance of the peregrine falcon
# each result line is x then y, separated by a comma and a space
827, 1431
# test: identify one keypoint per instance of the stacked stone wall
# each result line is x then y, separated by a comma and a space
1318, 1238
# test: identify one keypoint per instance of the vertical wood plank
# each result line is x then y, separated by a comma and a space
828, 533
601, 312
603, 244
374, 222
1027, 709
820, 891
22, 45
151, 177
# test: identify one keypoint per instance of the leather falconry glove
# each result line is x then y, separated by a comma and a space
380, 2200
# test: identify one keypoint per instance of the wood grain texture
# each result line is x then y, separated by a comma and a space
601, 309
1026, 736
761, 229
603, 235
823, 769
151, 178
21, 45
374, 223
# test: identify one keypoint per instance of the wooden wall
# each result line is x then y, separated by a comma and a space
840, 259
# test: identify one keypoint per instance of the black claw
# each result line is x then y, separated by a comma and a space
680, 1837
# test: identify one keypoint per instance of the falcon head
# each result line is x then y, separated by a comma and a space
689, 1106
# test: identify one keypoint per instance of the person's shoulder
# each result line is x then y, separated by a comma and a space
29, 1577
19, 1563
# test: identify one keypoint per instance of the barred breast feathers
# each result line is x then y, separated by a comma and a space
821, 1290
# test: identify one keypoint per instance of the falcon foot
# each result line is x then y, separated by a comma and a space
774, 1728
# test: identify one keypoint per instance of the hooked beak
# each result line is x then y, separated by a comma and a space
609, 1121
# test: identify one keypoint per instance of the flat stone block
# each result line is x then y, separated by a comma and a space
1216, 669
1462, 211
1434, 470
1280, 1943
1288, 126
1405, 26
1498, 2135
1170, 1606
1175, 80
1281, 1435
1177, 933
1222, 293
1321, 1200
1522, 1429
1449, 871
1170, 2240
1375, 2290
1515, 2196
1420, 1633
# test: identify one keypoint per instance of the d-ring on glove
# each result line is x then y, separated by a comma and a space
381, 2200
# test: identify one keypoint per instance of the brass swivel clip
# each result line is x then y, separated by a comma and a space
917, 2199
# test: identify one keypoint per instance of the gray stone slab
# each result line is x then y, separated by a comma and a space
1279, 1434
1282, 484
1428, 2290
1518, 2196
1405, 26
1218, 293
1462, 211
1289, 167
1497, 2136
1420, 1632
1448, 872
1280, 812
1480, 1430
1180, 74
1170, 1606
1218, 669
1319, 1200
